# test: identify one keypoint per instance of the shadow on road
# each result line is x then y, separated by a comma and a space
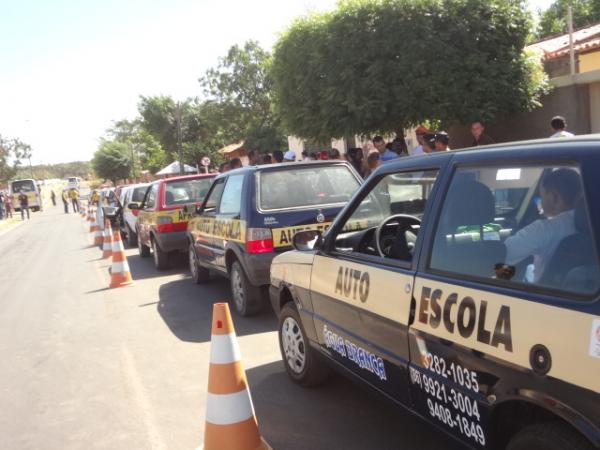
142, 268
336, 415
186, 308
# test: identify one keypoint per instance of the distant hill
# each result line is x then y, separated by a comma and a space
80, 169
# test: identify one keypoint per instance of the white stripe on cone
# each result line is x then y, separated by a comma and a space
224, 349
228, 409
120, 267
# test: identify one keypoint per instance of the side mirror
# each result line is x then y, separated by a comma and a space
191, 209
133, 206
307, 240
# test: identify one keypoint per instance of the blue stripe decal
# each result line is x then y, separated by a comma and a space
357, 337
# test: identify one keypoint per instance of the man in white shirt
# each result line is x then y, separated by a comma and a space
420, 132
559, 126
559, 191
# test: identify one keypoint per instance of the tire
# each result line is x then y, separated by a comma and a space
132, 240
161, 258
143, 250
245, 298
200, 274
549, 436
300, 359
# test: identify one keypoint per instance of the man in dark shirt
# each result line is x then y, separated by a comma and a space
24, 204
479, 136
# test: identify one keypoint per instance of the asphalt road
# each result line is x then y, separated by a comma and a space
85, 366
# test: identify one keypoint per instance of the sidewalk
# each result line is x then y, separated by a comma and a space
8, 224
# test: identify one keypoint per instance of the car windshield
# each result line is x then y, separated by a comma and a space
26, 185
138, 194
306, 187
187, 191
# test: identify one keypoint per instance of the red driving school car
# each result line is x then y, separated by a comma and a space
162, 221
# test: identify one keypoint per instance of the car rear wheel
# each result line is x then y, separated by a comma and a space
548, 436
200, 274
300, 360
143, 250
131, 236
161, 258
246, 298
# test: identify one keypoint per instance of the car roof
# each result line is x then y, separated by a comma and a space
509, 149
284, 166
186, 177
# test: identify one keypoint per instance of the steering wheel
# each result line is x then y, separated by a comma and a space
405, 223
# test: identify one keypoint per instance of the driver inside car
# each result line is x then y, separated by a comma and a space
559, 191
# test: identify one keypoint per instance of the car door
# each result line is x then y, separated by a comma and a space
202, 227
147, 214
228, 226
490, 327
361, 291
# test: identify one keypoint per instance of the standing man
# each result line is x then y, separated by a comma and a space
420, 132
253, 158
65, 200
559, 127
479, 136
74, 195
441, 141
24, 204
53, 197
2, 200
385, 154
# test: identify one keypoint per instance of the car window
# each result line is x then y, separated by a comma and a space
214, 196
151, 197
232, 195
522, 225
137, 194
305, 187
387, 221
186, 191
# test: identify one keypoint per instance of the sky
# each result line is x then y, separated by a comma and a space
69, 68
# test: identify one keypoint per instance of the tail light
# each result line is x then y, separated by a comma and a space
259, 240
135, 212
166, 225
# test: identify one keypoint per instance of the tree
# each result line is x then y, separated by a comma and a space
144, 147
554, 19
112, 161
383, 65
241, 87
12, 152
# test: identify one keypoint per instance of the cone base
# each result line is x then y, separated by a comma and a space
263, 446
123, 284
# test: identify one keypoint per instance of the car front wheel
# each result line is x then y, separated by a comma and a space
246, 297
143, 250
200, 274
300, 360
548, 436
161, 258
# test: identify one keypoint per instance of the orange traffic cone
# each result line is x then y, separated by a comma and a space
93, 225
98, 240
230, 419
119, 272
107, 240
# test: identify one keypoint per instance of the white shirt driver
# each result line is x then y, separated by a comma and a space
540, 240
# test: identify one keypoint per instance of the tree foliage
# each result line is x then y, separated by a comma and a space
554, 19
382, 65
12, 153
80, 169
112, 161
241, 87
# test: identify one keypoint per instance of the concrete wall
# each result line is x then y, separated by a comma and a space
572, 102
589, 62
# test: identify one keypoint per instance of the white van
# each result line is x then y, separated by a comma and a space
31, 188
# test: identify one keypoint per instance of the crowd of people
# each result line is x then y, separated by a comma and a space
367, 158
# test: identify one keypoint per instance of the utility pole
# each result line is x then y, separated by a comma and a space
179, 147
571, 50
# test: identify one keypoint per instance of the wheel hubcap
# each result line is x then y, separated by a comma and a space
293, 345
237, 289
